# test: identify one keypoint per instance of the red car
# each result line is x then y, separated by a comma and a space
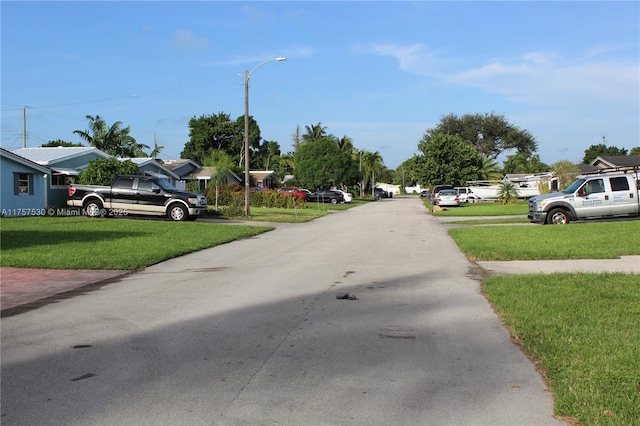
293, 191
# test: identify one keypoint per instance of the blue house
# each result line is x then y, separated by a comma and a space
64, 162
23, 186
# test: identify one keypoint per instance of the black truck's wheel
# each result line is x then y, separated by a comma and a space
94, 208
177, 212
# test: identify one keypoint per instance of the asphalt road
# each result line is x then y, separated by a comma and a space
252, 333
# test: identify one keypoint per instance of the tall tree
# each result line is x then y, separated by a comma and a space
407, 172
321, 164
114, 140
156, 148
490, 134
267, 155
372, 165
315, 132
522, 162
448, 160
566, 172
296, 138
489, 170
213, 132
60, 142
595, 151
345, 144
101, 171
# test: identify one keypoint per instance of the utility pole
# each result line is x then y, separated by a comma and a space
24, 127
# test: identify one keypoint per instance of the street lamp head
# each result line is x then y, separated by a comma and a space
281, 58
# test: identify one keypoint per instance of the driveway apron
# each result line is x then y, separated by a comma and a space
254, 332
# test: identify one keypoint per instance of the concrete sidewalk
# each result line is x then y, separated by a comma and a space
625, 264
21, 287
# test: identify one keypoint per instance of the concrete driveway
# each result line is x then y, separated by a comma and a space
252, 333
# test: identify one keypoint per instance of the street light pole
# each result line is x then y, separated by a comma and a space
247, 184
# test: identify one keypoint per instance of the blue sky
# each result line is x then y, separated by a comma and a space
381, 73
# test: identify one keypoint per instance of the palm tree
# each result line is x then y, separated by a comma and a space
314, 132
221, 165
489, 169
371, 164
507, 193
156, 148
345, 144
113, 140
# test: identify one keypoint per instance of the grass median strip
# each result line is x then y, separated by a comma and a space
84, 243
584, 331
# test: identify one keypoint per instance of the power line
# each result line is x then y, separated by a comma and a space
135, 96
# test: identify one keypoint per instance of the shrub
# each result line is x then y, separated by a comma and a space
507, 193
231, 199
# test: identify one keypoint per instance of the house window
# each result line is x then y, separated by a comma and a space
23, 184
59, 180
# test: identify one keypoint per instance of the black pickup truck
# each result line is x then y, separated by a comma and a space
133, 194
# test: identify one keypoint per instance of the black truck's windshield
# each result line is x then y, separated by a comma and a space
164, 184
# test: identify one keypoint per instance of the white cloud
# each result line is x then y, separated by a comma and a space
545, 79
413, 58
187, 39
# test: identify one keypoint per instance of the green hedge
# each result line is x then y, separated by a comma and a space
231, 199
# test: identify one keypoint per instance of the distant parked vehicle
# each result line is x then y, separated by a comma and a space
466, 195
348, 197
424, 193
381, 193
326, 196
293, 191
436, 189
447, 198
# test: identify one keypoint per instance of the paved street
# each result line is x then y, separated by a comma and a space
252, 333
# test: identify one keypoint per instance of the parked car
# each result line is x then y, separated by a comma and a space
381, 193
348, 197
447, 198
293, 191
326, 196
436, 189
306, 192
466, 195
424, 193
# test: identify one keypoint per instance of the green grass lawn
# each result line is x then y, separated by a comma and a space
583, 331
589, 240
84, 243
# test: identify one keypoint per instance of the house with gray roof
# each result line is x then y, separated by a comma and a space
64, 163
616, 161
23, 186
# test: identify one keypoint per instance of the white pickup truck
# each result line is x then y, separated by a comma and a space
588, 197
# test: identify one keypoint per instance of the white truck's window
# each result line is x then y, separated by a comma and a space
619, 184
